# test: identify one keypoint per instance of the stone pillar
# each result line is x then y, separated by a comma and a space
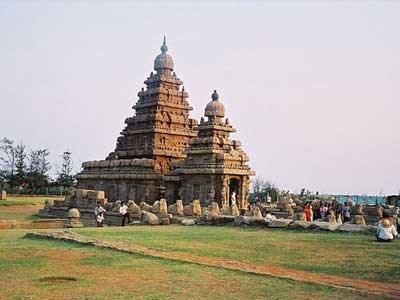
3, 195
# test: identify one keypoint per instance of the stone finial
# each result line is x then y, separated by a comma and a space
215, 96
164, 47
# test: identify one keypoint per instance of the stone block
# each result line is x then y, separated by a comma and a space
3, 195
300, 224
223, 219
280, 223
81, 194
165, 221
149, 218
324, 226
188, 222
97, 195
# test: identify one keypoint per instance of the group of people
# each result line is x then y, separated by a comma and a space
339, 212
100, 210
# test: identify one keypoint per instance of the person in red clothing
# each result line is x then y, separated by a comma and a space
307, 211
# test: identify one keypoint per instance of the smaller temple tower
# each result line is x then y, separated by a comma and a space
215, 168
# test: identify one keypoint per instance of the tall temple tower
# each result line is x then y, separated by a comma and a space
153, 138
161, 127
216, 167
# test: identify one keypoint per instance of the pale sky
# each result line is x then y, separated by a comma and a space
313, 87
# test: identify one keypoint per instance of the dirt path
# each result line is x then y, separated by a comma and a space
372, 287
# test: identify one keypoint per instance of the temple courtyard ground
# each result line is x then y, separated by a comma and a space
206, 262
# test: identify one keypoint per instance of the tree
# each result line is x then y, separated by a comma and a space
64, 174
7, 162
19, 179
38, 168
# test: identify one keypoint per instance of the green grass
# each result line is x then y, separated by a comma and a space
29, 266
351, 255
25, 200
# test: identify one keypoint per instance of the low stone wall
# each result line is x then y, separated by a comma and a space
35, 224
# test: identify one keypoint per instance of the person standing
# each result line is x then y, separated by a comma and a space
123, 210
346, 212
99, 214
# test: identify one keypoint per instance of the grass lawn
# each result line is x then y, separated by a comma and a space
352, 255
26, 200
45, 269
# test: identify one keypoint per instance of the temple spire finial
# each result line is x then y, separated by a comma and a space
164, 47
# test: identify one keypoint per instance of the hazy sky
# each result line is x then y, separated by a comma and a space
313, 87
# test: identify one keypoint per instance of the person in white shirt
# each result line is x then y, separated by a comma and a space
99, 214
386, 230
123, 210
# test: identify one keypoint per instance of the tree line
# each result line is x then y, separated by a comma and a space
27, 172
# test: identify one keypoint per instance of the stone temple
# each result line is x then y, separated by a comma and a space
162, 153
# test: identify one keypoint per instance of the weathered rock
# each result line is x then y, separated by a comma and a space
176, 209
359, 220
97, 195
163, 207
155, 209
117, 206
226, 210
48, 203
235, 210
73, 219
324, 226
133, 208
250, 221
188, 222
74, 213
214, 209
149, 218
257, 212
196, 208
300, 224
165, 221
144, 206
280, 223
193, 209
222, 219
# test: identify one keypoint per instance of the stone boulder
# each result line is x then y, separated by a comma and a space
280, 223
133, 208
155, 209
188, 222
318, 225
176, 209
257, 212
300, 224
226, 210
223, 219
74, 213
163, 207
117, 206
193, 209
250, 221
235, 210
144, 206
148, 218
358, 219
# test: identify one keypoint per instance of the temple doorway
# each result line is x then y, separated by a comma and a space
233, 188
